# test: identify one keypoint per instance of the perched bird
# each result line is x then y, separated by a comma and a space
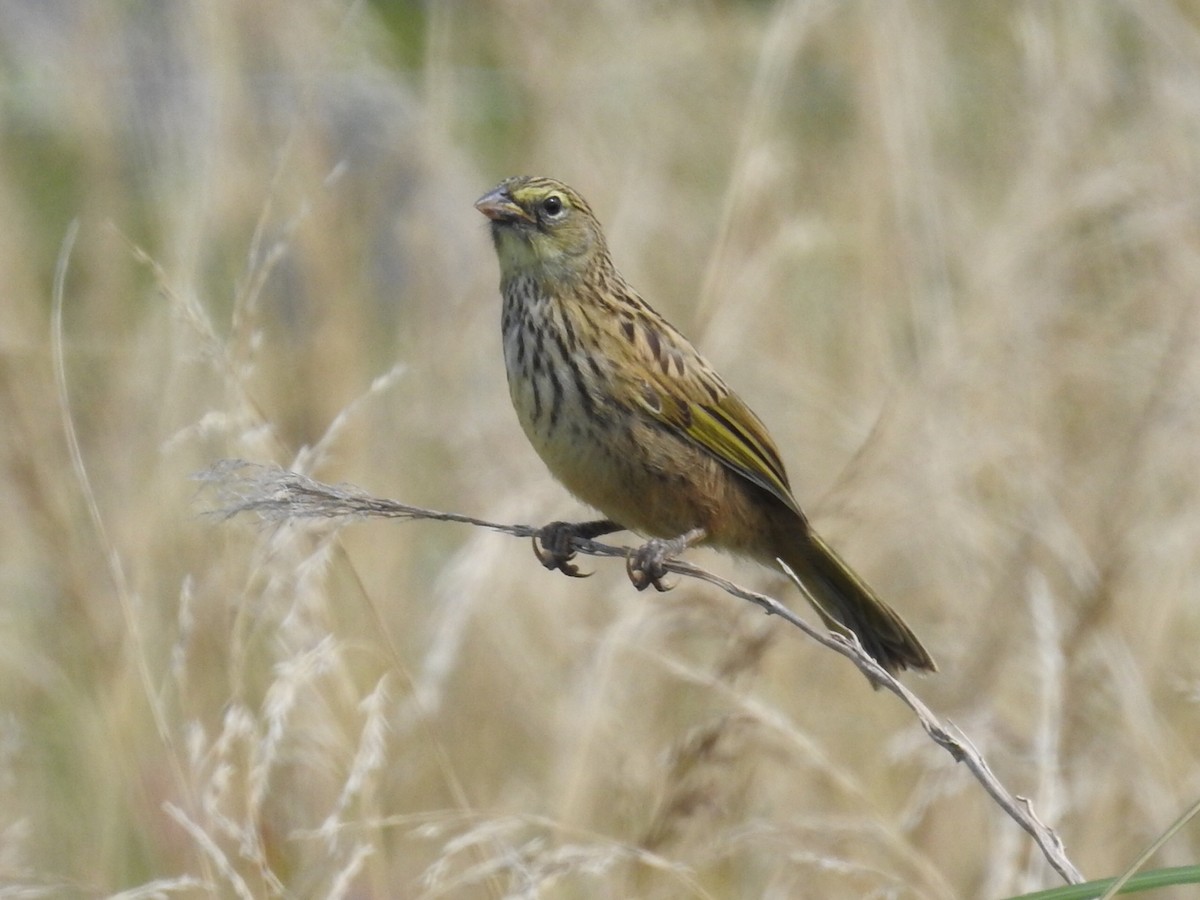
633, 421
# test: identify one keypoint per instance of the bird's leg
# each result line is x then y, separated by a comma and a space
552, 545
645, 564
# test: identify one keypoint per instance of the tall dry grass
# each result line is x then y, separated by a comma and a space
950, 253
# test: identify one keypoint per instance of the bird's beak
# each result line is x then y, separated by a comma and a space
498, 206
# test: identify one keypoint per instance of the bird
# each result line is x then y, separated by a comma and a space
633, 421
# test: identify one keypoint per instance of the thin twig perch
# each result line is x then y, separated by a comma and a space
278, 495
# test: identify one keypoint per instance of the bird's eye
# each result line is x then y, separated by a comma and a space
552, 205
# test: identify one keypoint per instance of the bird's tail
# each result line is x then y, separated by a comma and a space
843, 600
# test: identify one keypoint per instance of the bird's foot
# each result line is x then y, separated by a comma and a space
646, 564
554, 544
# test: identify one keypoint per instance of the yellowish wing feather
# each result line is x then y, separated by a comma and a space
730, 432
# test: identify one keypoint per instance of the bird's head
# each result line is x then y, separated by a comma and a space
542, 228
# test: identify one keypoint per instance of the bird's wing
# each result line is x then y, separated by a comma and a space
692, 400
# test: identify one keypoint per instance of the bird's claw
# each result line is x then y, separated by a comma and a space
552, 546
645, 565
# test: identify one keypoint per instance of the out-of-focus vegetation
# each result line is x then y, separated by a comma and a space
949, 252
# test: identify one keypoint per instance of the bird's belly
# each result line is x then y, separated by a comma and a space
645, 478
617, 476
591, 453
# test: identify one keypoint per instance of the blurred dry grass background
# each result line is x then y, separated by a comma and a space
949, 252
